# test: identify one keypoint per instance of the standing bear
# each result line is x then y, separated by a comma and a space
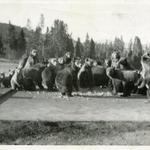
124, 64
15, 80
99, 76
66, 79
127, 78
49, 75
85, 75
18, 82
6, 79
145, 73
34, 73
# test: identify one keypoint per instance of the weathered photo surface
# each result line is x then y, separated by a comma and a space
75, 72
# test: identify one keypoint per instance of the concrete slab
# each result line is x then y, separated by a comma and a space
48, 106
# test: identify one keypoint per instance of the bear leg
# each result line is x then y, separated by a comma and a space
39, 83
69, 94
127, 89
50, 86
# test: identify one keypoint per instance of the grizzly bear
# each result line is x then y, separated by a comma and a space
15, 80
128, 79
124, 64
85, 75
67, 58
66, 79
99, 76
49, 75
18, 82
6, 79
145, 73
35, 74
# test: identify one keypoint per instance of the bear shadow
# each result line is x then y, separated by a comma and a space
20, 97
139, 97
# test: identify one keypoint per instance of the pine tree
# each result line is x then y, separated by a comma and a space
1, 45
12, 37
47, 37
78, 48
29, 41
109, 48
60, 38
37, 41
48, 44
118, 44
130, 45
69, 45
41, 26
99, 51
137, 53
42, 22
21, 42
137, 46
87, 47
92, 49
37, 38
130, 49
28, 25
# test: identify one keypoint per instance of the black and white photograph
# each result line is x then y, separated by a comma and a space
75, 72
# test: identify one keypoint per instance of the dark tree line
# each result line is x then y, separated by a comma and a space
13, 45
56, 41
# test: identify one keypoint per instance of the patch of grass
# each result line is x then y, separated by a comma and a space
73, 133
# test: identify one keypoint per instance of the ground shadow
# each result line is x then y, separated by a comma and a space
112, 97
20, 97
6, 96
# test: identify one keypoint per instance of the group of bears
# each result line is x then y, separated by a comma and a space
66, 74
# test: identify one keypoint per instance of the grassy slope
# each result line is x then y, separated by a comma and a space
4, 29
75, 133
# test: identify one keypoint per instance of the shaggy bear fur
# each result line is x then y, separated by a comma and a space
48, 77
66, 79
123, 64
35, 74
145, 62
99, 76
6, 80
127, 78
85, 76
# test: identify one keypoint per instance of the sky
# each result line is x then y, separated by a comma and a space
101, 19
